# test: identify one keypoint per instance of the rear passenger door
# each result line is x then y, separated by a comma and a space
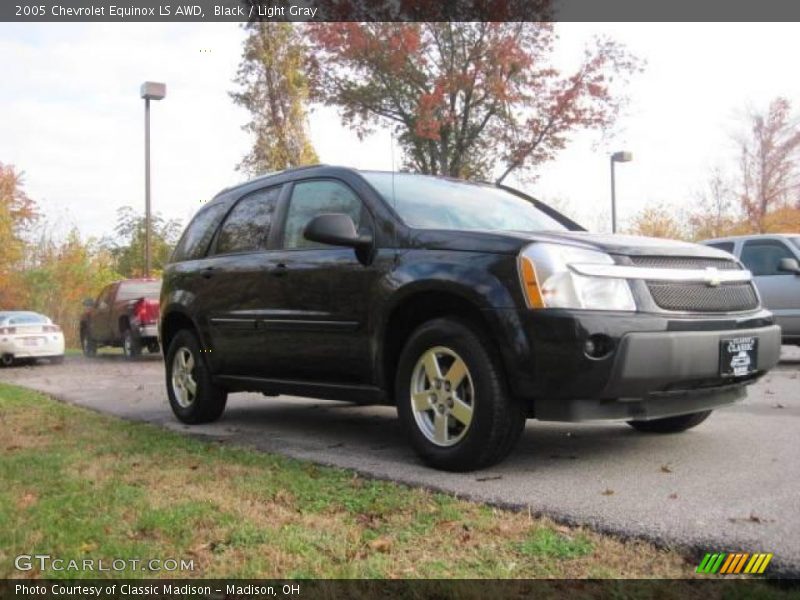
317, 329
780, 291
238, 271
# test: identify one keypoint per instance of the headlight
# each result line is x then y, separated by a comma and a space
548, 281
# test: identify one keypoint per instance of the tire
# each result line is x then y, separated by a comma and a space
671, 424
88, 345
207, 403
479, 437
7, 360
153, 348
131, 346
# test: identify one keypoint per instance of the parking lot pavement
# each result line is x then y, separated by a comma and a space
732, 484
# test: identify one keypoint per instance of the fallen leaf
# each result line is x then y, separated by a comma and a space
608, 492
382, 545
27, 500
666, 469
489, 478
673, 496
778, 405
563, 529
87, 547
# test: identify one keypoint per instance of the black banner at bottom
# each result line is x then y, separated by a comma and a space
239, 589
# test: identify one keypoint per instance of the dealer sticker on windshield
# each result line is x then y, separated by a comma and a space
737, 356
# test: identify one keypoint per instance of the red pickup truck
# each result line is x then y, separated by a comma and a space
124, 314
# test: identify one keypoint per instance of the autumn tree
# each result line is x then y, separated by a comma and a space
465, 99
273, 89
658, 221
715, 211
769, 160
17, 215
62, 274
126, 247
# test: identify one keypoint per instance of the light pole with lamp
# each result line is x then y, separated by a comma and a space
150, 90
615, 158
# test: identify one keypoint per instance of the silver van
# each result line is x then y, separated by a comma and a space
774, 261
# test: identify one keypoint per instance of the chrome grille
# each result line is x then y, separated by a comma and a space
699, 297
696, 296
682, 262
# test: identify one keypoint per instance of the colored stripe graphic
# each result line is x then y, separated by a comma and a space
734, 563
711, 562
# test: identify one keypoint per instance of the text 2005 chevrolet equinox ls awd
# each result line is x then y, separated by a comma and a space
470, 307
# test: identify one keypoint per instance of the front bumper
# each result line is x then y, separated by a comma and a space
658, 365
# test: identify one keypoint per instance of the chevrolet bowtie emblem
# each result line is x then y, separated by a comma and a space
712, 277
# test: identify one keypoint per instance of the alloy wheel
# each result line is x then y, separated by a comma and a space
184, 385
442, 396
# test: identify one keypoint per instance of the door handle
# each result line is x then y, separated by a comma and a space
208, 272
280, 270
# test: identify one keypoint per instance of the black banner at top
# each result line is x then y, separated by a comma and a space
396, 10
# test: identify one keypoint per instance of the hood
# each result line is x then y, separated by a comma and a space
511, 242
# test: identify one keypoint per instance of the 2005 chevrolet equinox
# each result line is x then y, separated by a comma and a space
470, 307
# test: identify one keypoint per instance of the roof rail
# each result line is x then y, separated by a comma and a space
268, 175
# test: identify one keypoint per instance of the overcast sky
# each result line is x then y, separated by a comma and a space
71, 117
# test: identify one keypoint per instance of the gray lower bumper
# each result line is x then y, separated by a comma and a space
148, 331
667, 373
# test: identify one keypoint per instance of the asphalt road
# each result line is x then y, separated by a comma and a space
732, 484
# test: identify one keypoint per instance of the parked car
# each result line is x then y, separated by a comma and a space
29, 335
124, 314
774, 261
471, 307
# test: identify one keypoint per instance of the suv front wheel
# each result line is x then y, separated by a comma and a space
452, 399
193, 395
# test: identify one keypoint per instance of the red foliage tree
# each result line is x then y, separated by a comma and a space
465, 99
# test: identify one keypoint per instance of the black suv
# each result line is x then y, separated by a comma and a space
471, 307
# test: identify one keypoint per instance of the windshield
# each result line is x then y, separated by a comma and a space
139, 289
435, 203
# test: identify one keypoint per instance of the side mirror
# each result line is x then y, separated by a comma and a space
789, 265
336, 229
88, 303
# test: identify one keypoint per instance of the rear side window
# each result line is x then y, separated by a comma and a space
312, 198
725, 246
29, 319
248, 225
194, 241
762, 257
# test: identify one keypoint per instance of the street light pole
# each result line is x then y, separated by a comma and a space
147, 187
150, 90
615, 158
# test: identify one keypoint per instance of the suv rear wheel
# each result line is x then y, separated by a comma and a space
671, 424
193, 396
452, 399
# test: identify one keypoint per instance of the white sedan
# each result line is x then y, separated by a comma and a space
25, 334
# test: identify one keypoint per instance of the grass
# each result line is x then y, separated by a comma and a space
77, 484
